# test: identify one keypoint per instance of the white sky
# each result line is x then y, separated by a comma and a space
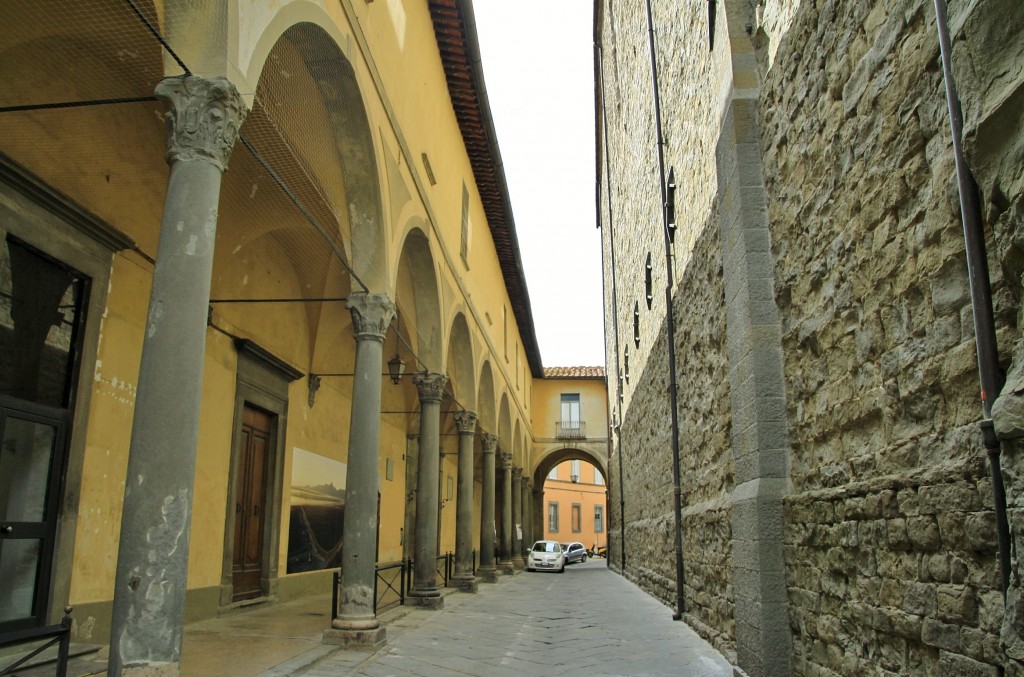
539, 67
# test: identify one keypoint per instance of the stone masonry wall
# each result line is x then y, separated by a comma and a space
635, 222
890, 543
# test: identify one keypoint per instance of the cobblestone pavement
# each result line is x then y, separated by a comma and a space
588, 620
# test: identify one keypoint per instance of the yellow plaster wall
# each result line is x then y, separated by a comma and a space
547, 405
109, 431
112, 162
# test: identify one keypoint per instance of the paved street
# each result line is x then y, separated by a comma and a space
588, 620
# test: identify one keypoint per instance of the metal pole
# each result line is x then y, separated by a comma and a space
990, 374
670, 330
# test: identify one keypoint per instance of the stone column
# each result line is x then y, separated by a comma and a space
356, 625
464, 578
517, 518
488, 572
424, 590
203, 118
528, 538
505, 549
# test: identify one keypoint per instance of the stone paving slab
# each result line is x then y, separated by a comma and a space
589, 620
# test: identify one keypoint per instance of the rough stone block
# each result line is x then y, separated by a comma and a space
941, 635
955, 665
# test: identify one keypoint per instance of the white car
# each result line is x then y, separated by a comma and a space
546, 556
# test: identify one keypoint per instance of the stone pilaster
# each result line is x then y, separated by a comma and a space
464, 577
760, 438
203, 118
488, 571
517, 518
505, 548
356, 625
424, 590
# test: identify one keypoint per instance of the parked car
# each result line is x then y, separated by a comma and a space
546, 555
574, 552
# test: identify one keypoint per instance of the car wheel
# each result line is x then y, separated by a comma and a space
583, 559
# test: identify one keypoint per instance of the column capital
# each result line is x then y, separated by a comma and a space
465, 422
506, 459
517, 474
371, 315
490, 443
430, 386
203, 118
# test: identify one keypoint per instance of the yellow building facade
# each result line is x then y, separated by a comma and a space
212, 292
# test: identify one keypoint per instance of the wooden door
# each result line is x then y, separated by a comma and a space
250, 499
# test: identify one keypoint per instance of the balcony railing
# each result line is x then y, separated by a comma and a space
571, 430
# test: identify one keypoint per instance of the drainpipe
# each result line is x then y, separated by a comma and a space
670, 329
990, 375
599, 58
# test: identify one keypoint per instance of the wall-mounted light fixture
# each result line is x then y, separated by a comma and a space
649, 280
396, 368
670, 213
636, 323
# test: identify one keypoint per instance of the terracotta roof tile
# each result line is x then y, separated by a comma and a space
455, 29
574, 372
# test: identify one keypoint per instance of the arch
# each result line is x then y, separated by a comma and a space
504, 424
460, 363
558, 455
339, 182
418, 299
485, 399
518, 454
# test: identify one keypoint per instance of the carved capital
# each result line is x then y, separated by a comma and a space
506, 459
465, 422
430, 386
371, 315
490, 443
517, 474
203, 118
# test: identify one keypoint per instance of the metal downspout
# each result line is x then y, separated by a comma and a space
991, 376
599, 56
670, 329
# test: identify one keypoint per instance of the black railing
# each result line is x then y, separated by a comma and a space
393, 582
571, 430
54, 634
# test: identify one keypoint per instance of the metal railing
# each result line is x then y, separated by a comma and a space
394, 580
571, 430
54, 634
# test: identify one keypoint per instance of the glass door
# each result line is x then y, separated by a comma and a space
42, 312
31, 467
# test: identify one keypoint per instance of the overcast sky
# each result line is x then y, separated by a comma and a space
539, 67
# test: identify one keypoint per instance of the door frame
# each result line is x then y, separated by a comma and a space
262, 382
43, 217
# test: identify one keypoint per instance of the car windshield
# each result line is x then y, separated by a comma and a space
545, 546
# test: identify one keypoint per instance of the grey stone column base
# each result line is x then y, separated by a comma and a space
465, 582
518, 562
506, 568
425, 601
488, 575
357, 640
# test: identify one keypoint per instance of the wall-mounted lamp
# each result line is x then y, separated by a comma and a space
574, 478
670, 205
636, 323
396, 368
313, 385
